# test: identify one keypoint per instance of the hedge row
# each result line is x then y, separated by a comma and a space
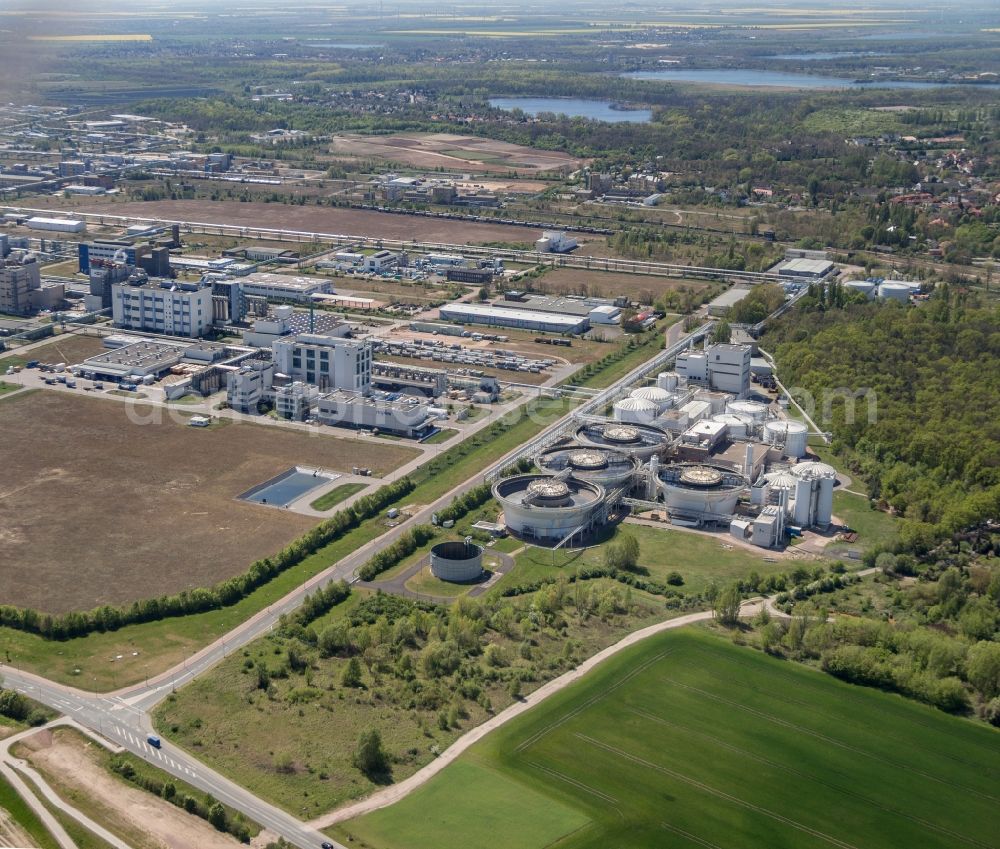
208, 809
224, 594
393, 554
466, 503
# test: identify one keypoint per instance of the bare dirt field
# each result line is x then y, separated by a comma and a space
96, 509
460, 153
11, 834
607, 284
72, 762
354, 222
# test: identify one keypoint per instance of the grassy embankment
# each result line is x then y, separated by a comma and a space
689, 740
340, 493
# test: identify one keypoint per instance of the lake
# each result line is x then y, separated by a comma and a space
775, 79
815, 57
595, 110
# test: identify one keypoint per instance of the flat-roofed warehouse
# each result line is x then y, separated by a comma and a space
285, 287
523, 319
809, 269
730, 298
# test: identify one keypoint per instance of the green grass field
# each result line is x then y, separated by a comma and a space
700, 559
339, 493
688, 740
20, 813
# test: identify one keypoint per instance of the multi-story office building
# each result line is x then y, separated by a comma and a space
724, 368
163, 306
17, 281
328, 362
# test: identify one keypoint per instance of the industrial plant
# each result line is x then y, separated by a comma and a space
680, 449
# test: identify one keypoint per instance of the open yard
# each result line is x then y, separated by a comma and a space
453, 152
687, 740
97, 509
356, 222
67, 348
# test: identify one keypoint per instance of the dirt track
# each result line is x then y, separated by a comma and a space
163, 823
353, 222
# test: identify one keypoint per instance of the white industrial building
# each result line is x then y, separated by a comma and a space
723, 368
505, 317
295, 401
59, 225
163, 306
380, 261
22, 291
328, 362
730, 298
805, 269
555, 242
249, 386
285, 287
403, 415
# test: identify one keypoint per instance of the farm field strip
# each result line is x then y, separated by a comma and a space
687, 739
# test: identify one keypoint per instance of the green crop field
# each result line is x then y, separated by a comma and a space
688, 740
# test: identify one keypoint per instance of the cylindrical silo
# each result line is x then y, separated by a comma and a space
802, 510
824, 503
667, 380
793, 435
736, 426
753, 410
892, 291
635, 411
865, 287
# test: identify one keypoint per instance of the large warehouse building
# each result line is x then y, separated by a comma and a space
524, 319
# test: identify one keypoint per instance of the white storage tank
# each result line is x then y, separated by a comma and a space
635, 411
667, 380
866, 287
755, 411
706, 493
547, 507
793, 435
660, 397
736, 426
892, 291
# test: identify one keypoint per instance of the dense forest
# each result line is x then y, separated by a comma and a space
925, 382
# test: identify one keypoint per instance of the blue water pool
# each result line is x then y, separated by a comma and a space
287, 487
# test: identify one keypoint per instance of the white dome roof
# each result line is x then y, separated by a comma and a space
637, 405
652, 393
814, 469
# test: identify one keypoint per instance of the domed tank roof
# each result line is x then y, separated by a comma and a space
781, 480
814, 469
652, 393
636, 405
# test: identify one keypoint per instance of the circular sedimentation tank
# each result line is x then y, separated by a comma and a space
604, 466
636, 440
547, 507
703, 491
457, 561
